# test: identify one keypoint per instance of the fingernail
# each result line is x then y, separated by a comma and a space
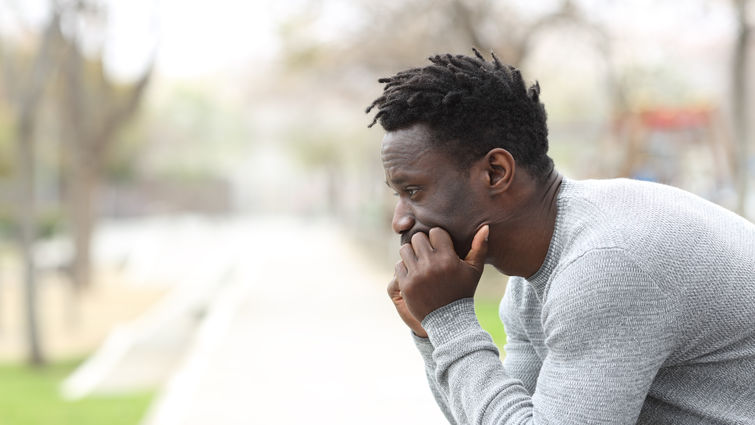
487, 234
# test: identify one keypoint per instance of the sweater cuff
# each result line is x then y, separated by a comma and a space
446, 323
424, 346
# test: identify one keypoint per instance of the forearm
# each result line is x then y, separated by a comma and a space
426, 351
595, 372
468, 370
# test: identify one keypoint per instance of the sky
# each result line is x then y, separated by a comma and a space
195, 38
192, 37
200, 37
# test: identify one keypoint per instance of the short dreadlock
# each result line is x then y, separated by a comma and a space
470, 106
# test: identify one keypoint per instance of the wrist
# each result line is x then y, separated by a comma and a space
420, 334
447, 322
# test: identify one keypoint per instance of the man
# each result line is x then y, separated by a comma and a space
628, 302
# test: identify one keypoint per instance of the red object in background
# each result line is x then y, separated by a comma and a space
675, 118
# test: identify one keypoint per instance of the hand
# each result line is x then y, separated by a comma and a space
432, 275
403, 311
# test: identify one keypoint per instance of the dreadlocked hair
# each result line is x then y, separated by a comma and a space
470, 106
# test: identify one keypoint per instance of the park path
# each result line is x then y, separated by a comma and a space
301, 333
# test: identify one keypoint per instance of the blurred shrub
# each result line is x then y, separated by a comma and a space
50, 223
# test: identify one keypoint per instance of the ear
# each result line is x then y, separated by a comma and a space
500, 169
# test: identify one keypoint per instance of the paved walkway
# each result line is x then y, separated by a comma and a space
302, 333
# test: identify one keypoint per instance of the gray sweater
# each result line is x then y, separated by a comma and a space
643, 312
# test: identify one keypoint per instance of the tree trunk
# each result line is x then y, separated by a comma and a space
27, 232
740, 90
26, 88
83, 184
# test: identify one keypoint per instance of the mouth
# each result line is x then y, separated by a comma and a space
406, 237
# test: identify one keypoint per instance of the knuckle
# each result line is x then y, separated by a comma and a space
399, 266
446, 264
392, 286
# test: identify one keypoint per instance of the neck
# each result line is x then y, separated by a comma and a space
520, 242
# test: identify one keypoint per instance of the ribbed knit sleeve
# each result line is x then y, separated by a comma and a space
426, 349
521, 360
608, 328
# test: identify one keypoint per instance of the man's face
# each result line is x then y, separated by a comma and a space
431, 189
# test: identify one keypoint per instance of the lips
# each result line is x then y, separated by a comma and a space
406, 237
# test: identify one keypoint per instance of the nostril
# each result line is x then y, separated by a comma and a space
401, 224
403, 219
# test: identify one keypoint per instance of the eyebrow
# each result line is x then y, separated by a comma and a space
397, 181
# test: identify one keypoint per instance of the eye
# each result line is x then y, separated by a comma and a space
411, 191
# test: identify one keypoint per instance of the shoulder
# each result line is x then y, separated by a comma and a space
661, 228
608, 223
604, 288
605, 269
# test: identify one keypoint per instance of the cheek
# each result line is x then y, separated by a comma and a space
454, 209
454, 217
465, 216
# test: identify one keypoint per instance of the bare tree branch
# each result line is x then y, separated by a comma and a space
42, 67
468, 20
10, 74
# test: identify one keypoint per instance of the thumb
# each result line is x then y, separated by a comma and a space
479, 250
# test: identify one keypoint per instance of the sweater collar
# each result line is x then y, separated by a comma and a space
540, 279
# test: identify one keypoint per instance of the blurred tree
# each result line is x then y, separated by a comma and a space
323, 152
93, 108
393, 35
24, 89
740, 107
192, 134
7, 138
383, 37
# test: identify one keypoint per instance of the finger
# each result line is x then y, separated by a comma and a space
479, 250
400, 270
393, 290
406, 252
421, 245
440, 239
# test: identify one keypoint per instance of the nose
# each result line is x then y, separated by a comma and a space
403, 220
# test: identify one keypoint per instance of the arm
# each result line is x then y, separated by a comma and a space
423, 345
426, 351
607, 334
455, 271
521, 360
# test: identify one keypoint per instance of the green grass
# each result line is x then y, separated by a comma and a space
487, 314
29, 396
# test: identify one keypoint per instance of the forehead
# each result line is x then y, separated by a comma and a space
412, 149
411, 140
